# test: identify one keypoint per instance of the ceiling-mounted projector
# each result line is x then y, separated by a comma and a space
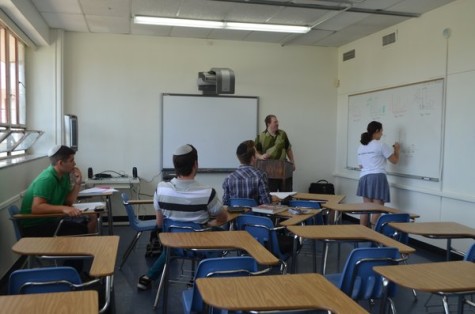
216, 81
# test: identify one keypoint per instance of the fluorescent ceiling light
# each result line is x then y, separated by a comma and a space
151, 20
267, 27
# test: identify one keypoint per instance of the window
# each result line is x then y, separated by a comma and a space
15, 139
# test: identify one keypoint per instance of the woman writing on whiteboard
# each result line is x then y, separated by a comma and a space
372, 155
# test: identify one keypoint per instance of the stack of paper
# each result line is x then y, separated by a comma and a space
98, 190
90, 206
269, 209
282, 195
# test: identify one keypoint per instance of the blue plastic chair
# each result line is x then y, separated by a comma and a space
14, 210
137, 224
263, 230
359, 281
242, 202
170, 225
45, 280
315, 220
382, 226
216, 267
470, 254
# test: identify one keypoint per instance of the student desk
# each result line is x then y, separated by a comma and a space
103, 249
437, 230
74, 302
291, 219
443, 278
94, 215
328, 198
107, 194
361, 208
218, 240
276, 292
330, 233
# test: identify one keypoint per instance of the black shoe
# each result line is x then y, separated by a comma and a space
145, 283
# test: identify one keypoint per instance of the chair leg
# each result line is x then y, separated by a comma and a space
446, 304
393, 307
130, 248
160, 287
414, 293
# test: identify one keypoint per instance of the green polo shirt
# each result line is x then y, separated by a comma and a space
48, 186
276, 146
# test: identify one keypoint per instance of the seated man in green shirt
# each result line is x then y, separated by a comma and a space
53, 192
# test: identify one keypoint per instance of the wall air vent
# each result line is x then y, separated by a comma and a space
349, 55
389, 39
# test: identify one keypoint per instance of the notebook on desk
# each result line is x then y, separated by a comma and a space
269, 209
90, 206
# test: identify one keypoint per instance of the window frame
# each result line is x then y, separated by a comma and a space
15, 138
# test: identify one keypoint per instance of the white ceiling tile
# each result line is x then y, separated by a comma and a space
68, 22
106, 7
58, 6
108, 24
114, 16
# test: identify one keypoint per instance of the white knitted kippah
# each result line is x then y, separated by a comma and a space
53, 150
183, 150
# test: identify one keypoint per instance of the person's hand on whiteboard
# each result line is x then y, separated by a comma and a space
397, 147
394, 158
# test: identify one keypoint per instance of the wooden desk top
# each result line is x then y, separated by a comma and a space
219, 240
348, 232
433, 277
230, 218
277, 292
59, 215
360, 207
296, 219
329, 198
75, 302
435, 229
102, 248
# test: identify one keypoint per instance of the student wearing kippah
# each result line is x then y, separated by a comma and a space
182, 199
53, 192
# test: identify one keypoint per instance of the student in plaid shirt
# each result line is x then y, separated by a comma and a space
247, 181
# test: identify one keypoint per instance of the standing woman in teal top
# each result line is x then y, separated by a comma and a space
372, 155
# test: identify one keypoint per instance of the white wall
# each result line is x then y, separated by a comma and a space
421, 53
113, 84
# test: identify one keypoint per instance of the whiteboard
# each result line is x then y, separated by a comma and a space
214, 125
412, 115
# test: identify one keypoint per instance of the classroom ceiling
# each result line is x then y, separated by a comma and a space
334, 22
